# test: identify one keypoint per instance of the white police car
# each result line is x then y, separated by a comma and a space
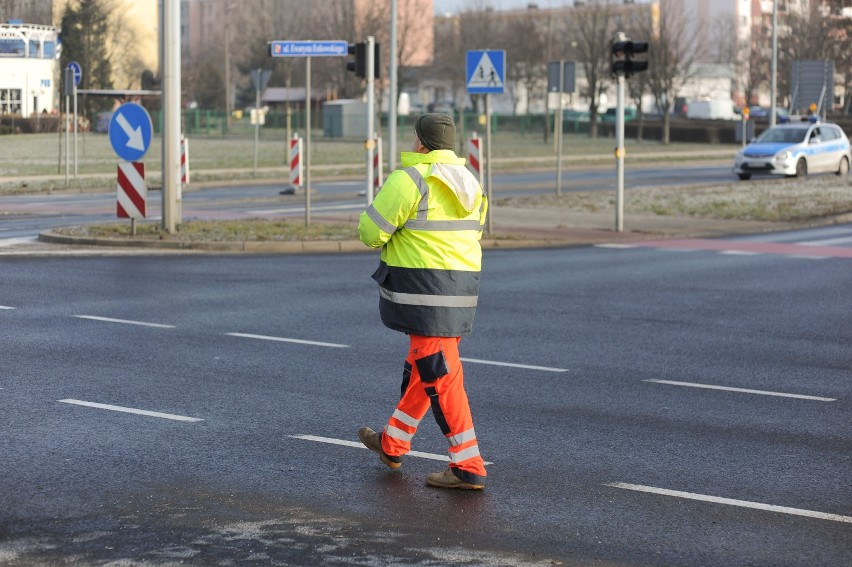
795, 149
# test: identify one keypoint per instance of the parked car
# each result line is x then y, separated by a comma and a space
609, 115
795, 150
781, 114
711, 110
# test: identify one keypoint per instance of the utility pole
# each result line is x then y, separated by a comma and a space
228, 97
171, 111
392, 111
774, 66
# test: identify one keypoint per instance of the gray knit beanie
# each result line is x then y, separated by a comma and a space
436, 131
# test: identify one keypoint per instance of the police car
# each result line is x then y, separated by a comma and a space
795, 149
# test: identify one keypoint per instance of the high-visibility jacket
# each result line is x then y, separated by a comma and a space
428, 219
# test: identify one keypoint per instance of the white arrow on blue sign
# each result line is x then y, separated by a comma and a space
78, 72
130, 131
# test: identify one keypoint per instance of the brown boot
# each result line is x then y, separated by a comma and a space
448, 479
373, 442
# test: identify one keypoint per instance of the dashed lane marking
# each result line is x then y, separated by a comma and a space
286, 340
131, 410
513, 365
742, 390
6, 307
359, 445
124, 321
778, 248
732, 502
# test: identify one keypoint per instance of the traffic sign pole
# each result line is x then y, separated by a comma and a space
334, 48
75, 132
488, 161
308, 142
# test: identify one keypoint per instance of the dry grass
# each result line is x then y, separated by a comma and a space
762, 200
221, 231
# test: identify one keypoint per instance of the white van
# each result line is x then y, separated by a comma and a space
711, 110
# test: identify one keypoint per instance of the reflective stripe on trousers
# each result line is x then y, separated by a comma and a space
433, 378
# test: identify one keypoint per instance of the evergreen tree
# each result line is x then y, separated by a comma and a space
85, 27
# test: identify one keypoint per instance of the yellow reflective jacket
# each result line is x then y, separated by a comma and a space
428, 219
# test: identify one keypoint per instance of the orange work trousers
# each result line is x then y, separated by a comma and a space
433, 377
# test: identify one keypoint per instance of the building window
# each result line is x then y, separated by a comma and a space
10, 101
12, 47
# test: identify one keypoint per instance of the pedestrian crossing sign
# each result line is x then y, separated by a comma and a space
485, 72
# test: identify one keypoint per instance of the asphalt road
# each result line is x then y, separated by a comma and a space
583, 370
24, 216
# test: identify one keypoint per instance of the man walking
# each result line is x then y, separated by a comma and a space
428, 218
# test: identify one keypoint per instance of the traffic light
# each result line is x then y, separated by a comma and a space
359, 65
622, 57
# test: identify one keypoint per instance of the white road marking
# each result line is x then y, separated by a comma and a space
615, 245
827, 241
7, 307
359, 445
131, 410
742, 390
124, 321
740, 252
14, 241
513, 365
286, 340
732, 502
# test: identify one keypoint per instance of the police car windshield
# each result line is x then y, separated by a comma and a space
786, 135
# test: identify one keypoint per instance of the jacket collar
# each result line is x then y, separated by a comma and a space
435, 156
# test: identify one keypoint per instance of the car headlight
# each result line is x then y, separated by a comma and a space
782, 156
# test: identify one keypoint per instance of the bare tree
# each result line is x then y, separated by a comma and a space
671, 57
592, 28
814, 36
525, 54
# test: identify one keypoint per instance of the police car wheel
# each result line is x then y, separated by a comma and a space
843, 168
801, 168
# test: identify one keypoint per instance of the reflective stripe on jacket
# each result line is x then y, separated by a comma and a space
428, 220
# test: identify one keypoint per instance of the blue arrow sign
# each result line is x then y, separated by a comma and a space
130, 131
485, 72
78, 72
308, 48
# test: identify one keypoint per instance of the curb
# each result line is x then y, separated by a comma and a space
281, 247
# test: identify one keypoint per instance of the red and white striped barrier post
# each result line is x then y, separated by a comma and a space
474, 156
184, 160
378, 174
296, 161
131, 193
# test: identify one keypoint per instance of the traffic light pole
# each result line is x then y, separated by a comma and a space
619, 155
370, 143
559, 131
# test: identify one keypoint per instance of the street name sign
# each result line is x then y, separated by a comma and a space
334, 48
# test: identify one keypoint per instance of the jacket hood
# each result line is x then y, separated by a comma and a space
450, 170
460, 180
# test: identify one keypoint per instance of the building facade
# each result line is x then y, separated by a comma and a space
29, 69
